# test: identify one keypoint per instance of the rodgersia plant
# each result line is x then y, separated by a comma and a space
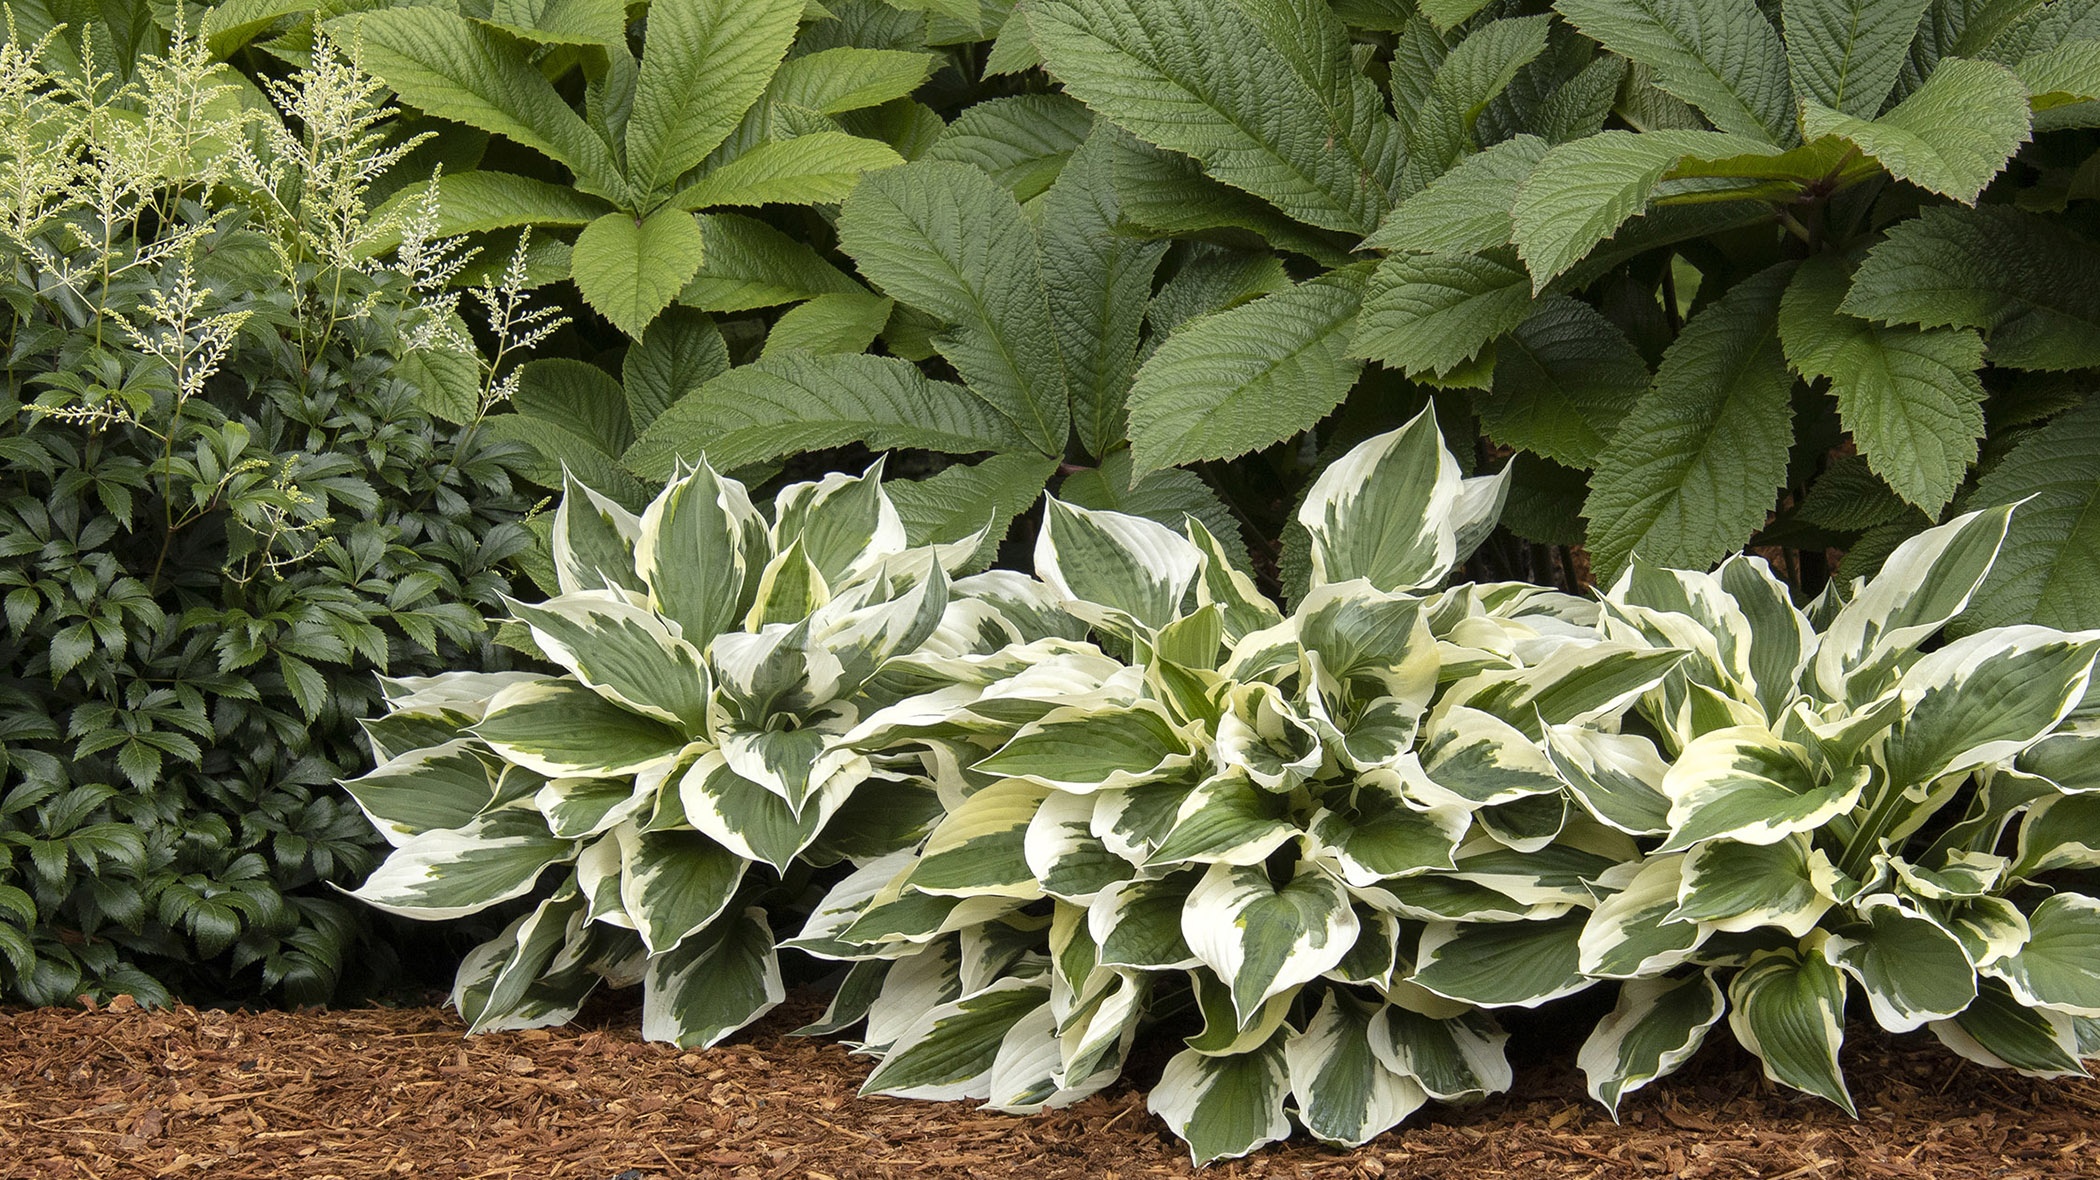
714, 661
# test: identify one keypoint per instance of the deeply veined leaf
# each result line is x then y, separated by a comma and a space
1912, 970
1169, 194
2048, 571
477, 201
1694, 465
848, 78
1346, 1096
1789, 1009
816, 169
1232, 382
1475, 71
1655, 1027
1950, 136
459, 69
1467, 209
946, 238
1225, 1107
712, 984
1723, 58
958, 501
1168, 497
704, 62
563, 22
1846, 54
1022, 141
750, 264
630, 270
1262, 91
2031, 284
681, 351
799, 401
1564, 380
840, 323
1910, 397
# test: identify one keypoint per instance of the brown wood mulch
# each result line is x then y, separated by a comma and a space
124, 1092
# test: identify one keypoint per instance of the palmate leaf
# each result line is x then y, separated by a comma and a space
704, 62
631, 268
1693, 467
1723, 58
1262, 91
1910, 397
1951, 136
946, 238
1228, 383
2048, 571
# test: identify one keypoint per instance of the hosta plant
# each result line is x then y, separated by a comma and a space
1851, 808
687, 769
1334, 836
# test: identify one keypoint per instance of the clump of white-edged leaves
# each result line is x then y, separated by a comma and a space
1133, 794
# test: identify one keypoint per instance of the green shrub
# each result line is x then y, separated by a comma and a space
226, 507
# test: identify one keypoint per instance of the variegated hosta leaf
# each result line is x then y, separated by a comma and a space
701, 548
453, 872
1782, 640
844, 905
1913, 971
1370, 644
1262, 940
1734, 887
862, 639
1924, 583
1453, 1058
1573, 684
1986, 697
1745, 784
1225, 1107
775, 670
2002, 1033
579, 808
787, 589
1686, 610
949, 1052
1026, 1070
2058, 832
977, 851
1656, 1026
1065, 856
1262, 737
1627, 935
594, 541
1226, 820
1131, 821
505, 985
845, 523
674, 883
797, 765
562, 729
1084, 750
713, 983
1133, 567
1375, 955
2069, 760
1243, 608
1527, 824
1383, 835
1388, 511
1789, 1010
1474, 759
1502, 964
598, 879
1137, 924
914, 985
464, 693
749, 819
1558, 874
1346, 1096
2059, 967
443, 786
1616, 777
624, 652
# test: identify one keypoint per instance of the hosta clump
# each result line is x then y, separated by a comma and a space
1849, 805
714, 661
1335, 835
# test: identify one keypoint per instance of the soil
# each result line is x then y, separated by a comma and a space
124, 1092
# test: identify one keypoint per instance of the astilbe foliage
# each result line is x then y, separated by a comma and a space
225, 508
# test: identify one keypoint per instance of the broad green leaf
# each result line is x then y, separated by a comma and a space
630, 270
1564, 379
1467, 209
820, 168
681, 351
946, 238
2060, 964
230, 26
1241, 379
2031, 284
1431, 314
704, 62
713, 984
948, 1052
1723, 58
1911, 398
580, 397
798, 401
1447, 15
1475, 71
750, 264
560, 728
438, 786
1951, 136
1225, 1107
1694, 465
1580, 193
563, 22
1743, 783
1346, 1096
1022, 141
593, 542
2048, 571
459, 69
624, 652
1169, 195
838, 323
1262, 940
1789, 1010
1912, 970
1263, 92
1099, 280
453, 872
1654, 1028
1502, 964
1845, 54
848, 78
476, 202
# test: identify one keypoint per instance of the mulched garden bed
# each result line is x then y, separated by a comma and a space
124, 1092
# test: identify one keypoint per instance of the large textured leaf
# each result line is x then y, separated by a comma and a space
631, 269
1262, 91
1846, 54
2048, 571
1022, 141
1475, 71
848, 78
750, 264
1656, 1026
704, 62
1168, 497
1428, 314
1790, 1011
1911, 397
1225, 1107
947, 239
800, 401
714, 984
1693, 467
463, 70
815, 169
563, 22
1564, 380
1169, 194
2030, 283
1951, 136
1241, 379
1467, 209
960, 500
1723, 58
477, 201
